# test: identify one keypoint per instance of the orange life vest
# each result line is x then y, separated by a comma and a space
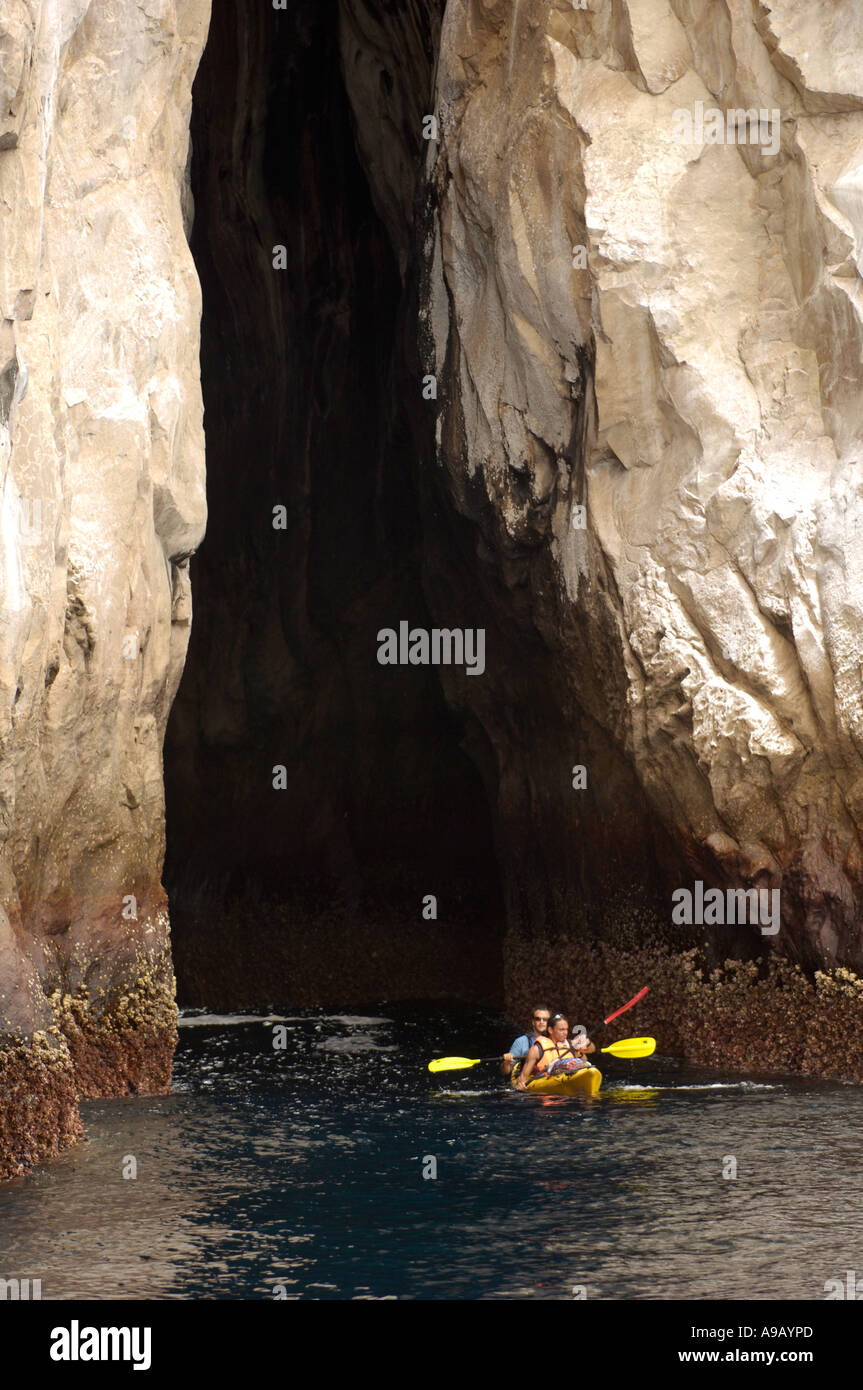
551, 1052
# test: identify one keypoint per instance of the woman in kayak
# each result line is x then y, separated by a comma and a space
554, 1053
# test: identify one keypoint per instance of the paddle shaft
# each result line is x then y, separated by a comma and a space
617, 1012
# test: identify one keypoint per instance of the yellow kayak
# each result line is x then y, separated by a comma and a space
576, 1083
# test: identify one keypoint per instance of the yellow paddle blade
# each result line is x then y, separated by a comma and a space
453, 1063
632, 1047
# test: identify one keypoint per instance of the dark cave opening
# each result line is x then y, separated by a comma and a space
315, 892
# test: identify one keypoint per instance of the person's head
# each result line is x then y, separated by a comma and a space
558, 1028
539, 1019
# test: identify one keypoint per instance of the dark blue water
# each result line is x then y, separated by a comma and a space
302, 1170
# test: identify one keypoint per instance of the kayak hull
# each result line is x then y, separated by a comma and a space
577, 1083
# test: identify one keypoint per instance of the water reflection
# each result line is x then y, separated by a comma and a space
631, 1095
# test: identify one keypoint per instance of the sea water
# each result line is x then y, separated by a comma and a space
338, 1167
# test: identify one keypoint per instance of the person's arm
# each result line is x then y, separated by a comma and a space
517, 1053
586, 1046
527, 1070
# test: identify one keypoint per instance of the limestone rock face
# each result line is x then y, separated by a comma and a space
101, 451
650, 354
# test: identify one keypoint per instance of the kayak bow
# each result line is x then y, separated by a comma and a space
585, 1082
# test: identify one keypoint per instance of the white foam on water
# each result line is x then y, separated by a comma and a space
354, 1020
355, 1044
703, 1086
469, 1093
526, 1292
231, 1020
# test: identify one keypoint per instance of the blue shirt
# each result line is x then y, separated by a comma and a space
521, 1047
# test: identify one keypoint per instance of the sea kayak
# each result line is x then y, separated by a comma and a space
575, 1083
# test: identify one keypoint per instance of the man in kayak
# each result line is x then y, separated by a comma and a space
554, 1053
522, 1045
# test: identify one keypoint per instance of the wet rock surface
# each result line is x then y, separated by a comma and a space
648, 350
651, 356
101, 448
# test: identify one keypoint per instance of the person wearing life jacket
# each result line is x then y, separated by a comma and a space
547, 1052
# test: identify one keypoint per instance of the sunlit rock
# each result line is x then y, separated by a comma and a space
101, 446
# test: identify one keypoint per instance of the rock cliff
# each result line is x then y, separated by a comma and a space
641, 227
692, 380
101, 449
630, 233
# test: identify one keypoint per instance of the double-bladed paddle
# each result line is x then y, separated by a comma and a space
627, 1047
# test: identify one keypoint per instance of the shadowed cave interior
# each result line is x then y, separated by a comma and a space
313, 893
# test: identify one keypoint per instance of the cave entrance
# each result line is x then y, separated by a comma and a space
311, 887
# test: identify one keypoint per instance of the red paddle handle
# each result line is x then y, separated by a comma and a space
640, 995
634, 1000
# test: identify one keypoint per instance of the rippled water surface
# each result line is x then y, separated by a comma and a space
303, 1169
